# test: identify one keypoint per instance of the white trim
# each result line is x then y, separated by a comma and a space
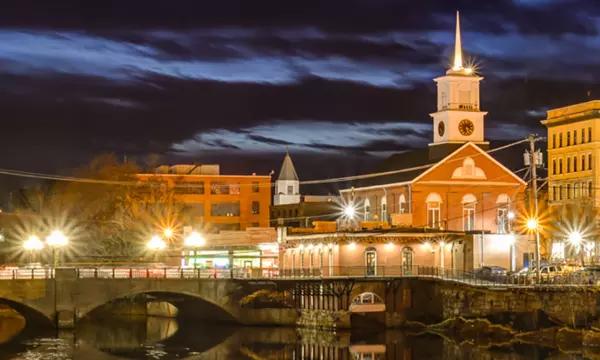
376, 186
460, 149
474, 183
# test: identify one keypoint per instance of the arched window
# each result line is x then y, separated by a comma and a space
383, 215
434, 201
402, 208
502, 210
469, 201
371, 261
367, 210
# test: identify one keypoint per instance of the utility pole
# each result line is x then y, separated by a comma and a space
534, 197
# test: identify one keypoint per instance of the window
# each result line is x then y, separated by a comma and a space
502, 218
575, 164
255, 187
575, 190
560, 192
560, 167
290, 190
583, 136
469, 202
189, 188
553, 167
568, 191
371, 261
193, 210
582, 162
225, 209
574, 137
589, 134
255, 208
554, 193
560, 140
402, 205
568, 165
222, 188
384, 209
568, 138
553, 141
367, 210
590, 189
589, 161
433, 210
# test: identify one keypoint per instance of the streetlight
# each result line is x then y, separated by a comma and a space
532, 224
32, 245
576, 239
349, 211
156, 244
56, 240
194, 240
168, 232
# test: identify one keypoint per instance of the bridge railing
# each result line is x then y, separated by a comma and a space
399, 271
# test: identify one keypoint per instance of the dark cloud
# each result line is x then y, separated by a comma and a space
268, 140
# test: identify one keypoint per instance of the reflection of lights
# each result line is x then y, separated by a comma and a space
468, 71
389, 245
352, 245
330, 246
310, 246
270, 247
427, 245
575, 238
194, 239
156, 243
33, 243
532, 224
57, 239
589, 246
510, 215
301, 247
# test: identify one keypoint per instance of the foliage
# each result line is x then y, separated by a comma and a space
101, 219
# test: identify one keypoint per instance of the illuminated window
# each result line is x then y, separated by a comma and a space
402, 205
433, 210
469, 202
255, 207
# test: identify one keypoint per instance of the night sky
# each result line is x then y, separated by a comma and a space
339, 83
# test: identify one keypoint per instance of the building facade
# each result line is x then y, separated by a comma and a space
218, 202
573, 153
451, 205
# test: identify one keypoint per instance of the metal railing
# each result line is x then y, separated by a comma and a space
475, 278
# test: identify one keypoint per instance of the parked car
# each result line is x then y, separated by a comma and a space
549, 273
589, 275
491, 273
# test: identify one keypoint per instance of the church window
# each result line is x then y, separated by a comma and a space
433, 201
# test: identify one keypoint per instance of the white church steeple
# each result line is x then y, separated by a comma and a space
287, 186
458, 118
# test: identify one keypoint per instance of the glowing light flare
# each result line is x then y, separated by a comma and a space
532, 224
156, 243
350, 211
511, 215
389, 246
575, 238
352, 245
194, 239
57, 239
168, 232
33, 243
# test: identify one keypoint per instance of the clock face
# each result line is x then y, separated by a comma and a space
466, 127
441, 128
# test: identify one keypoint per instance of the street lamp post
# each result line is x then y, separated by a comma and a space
156, 244
194, 241
533, 225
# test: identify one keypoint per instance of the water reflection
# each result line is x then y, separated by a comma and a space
167, 338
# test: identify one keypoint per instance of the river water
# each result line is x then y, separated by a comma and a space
167, 338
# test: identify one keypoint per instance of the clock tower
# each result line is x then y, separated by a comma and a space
458, 118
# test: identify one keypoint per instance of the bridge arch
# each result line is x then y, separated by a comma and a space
188, 303
367, 302
32, 313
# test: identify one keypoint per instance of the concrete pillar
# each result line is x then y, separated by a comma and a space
65, 282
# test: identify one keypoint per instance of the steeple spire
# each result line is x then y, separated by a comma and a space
458, 63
